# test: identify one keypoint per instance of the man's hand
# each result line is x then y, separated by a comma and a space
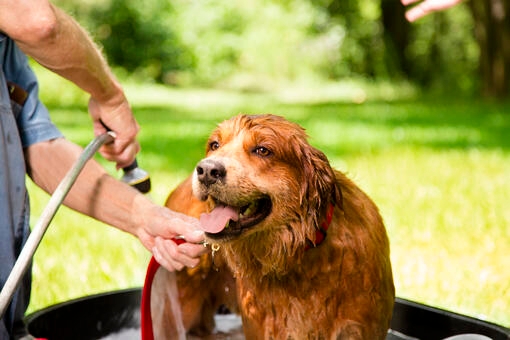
117, 116
427, 6
97, 194
158, 225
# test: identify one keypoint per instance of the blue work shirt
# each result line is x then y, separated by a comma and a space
20, 127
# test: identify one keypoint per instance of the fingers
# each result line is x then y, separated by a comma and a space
195, 236
427, 7
172, 223
118, 118
416, 12
176, 257
408, 2
158, 225
120, 153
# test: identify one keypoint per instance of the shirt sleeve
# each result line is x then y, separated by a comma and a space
34, 121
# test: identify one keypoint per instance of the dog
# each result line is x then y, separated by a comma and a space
299, 251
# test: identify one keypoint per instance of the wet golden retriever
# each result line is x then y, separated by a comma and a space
299, 250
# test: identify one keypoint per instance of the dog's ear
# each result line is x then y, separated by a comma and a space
320, 188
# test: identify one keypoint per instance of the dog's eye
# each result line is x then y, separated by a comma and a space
262, 151
214, 146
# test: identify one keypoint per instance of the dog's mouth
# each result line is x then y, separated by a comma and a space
226, 221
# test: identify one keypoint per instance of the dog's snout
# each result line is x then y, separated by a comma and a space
210, 171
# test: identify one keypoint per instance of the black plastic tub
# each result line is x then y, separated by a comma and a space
87, 318
98, 316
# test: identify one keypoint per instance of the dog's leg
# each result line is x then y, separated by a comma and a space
165, 307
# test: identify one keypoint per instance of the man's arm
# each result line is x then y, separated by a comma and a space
104, 198
59, 43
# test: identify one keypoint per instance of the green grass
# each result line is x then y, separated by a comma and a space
438, 169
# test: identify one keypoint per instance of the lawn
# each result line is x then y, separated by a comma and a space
438, 169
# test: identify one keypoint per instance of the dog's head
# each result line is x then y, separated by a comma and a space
262, 178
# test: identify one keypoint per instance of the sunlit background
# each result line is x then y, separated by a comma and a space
404, 109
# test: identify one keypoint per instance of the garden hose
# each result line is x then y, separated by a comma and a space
37, 233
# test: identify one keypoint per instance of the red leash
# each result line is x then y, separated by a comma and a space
145, 308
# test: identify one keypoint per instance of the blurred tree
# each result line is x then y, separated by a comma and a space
492, 29
438, 52
138, 37
396, 35
255, 44
362, 49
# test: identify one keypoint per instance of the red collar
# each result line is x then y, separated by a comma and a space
321, 232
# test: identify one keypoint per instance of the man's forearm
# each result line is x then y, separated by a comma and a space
102, 197
95, 193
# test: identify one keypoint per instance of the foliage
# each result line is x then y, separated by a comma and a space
259, 44
244, 42
139, 38
444, 52
492, 27
361, 47
441, 50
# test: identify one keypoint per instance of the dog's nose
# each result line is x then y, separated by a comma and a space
210, 171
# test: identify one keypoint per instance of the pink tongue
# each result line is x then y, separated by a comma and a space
216, 221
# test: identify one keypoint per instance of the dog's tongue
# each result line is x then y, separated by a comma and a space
216, 220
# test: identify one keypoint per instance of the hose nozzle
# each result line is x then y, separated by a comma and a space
137, 178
